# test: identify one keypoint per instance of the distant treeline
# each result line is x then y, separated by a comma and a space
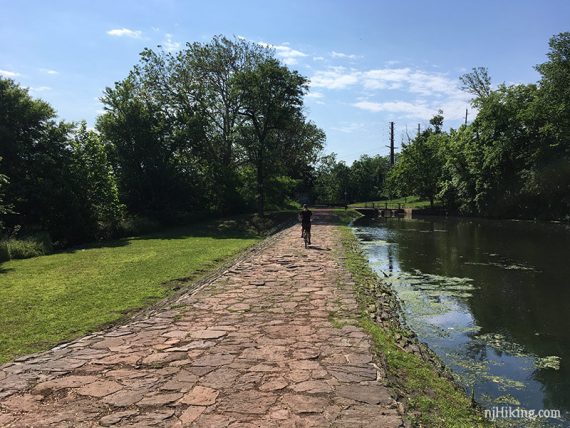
214, 129
512, 161
364, 180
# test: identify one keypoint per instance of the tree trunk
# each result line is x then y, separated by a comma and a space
260, 185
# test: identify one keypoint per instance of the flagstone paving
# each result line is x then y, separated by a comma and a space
254, 348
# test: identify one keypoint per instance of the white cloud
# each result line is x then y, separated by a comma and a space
453, 109
169, 44
288, 55
407, 92
370, 106
425, 83
120, 32
411, 110
417, 82
8, 74
49, 71
348, 127
385, 78
343, 55
335, 78
318, 58
315, 95
40, 88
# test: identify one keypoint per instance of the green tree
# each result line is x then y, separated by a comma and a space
514, 159
158, 172
418, 170
193, 91
271, 96
292, 164
462, 184
182, 131
37, 157
4, 206
477, 83
332, 183
95, 183
551, 175
368, 176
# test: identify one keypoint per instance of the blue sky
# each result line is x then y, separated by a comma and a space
370, 62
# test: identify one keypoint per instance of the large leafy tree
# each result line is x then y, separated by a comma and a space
213, 66
191, 130
37, 158
552, 112
192, 91
182, 134
514, 159
57, 176
271, 97
158, 172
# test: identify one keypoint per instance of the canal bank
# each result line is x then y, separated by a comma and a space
489, 299
426, 389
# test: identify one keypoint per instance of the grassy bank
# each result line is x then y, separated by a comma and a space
50, 299
431, 399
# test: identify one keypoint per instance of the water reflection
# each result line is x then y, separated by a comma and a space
490, 297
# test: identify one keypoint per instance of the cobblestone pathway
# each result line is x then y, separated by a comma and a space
255, 348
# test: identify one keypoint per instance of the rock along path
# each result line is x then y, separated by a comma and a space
257, 347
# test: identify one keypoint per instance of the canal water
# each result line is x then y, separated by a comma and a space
491, 298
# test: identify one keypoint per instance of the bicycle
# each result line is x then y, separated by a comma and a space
306, 237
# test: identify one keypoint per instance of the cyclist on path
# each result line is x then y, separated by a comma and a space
305, 217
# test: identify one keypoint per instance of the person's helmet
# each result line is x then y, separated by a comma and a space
305, 206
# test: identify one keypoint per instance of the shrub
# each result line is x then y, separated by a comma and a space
31, 246
132, 225
4, 252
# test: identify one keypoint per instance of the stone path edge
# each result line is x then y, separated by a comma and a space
190, 287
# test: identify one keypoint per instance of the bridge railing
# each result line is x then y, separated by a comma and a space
379, 205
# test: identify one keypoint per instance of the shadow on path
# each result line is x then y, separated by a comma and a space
317, 248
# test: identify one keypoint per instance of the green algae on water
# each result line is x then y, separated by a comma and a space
550, 362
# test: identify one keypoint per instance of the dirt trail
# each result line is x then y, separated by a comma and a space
254, 348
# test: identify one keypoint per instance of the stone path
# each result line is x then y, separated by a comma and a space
255, 348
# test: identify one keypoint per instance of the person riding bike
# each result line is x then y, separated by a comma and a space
305, 217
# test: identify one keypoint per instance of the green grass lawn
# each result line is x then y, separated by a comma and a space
50, 299
407, 202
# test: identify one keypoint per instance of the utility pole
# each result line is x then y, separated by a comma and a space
466, 112
418, 129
